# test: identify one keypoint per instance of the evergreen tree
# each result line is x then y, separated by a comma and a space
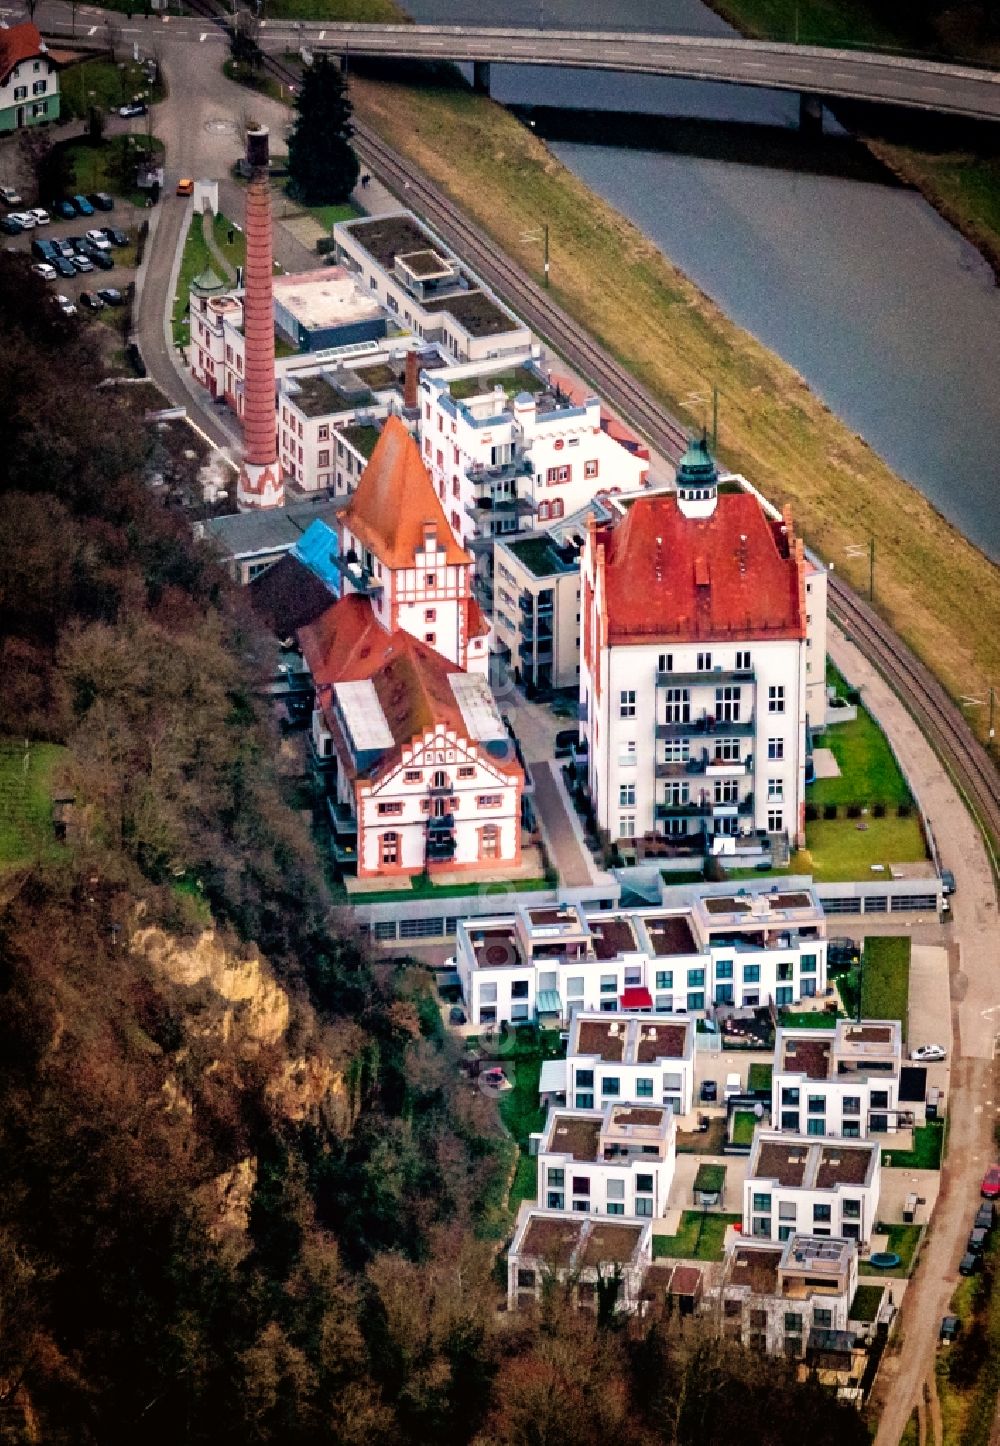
321, 164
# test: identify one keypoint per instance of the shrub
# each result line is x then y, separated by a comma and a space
904, 810
854, 810
812, 813
829, 810
715, 872
878, 810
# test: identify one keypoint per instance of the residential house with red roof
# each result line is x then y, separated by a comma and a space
398, 551
421, 772
693, 668
29, 79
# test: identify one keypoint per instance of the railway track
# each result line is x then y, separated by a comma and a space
939, 718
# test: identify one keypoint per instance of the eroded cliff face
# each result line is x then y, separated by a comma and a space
253, 1008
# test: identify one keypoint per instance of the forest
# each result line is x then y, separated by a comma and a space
247, 1197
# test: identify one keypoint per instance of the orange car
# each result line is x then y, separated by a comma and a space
185, 187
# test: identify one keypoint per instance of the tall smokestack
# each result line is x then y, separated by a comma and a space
260, 483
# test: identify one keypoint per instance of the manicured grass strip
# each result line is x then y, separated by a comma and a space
759, 1078
26, 782
519, 379
328, 216
869, 773
525, 1186
196, 259
744, 1124
111, 166
710, 1179
866, 1302
519, 1107
902, 1241
422, 890
807, 1019
700, 1237
928, 1143
841, 849
885, 979
676, 341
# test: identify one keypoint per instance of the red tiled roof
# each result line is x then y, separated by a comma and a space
676, 578
395, 500
20, 42
476, 622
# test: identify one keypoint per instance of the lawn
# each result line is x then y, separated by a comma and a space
902, 1241
520, 379
519, 1108
373, 12
671, 337
759, 1078
328, 216
105, 166
885, 979
525, 1184
703, 1142
869, 773
840, 849
425, 890
700, 1237
928, 1145
102, 83
26, 800
866, 1303
744, 1124
196, 259
807, 1019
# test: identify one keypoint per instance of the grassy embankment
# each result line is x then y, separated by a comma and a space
959, 179
27, 779
968, 1372
196, 259
933, 585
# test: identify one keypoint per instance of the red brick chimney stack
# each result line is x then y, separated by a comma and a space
260, 483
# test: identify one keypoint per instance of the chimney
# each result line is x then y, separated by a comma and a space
260, 483
410, 379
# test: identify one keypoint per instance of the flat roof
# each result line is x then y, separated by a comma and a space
426, 264
362, 712
670, 934
629, 1038
811, 1057
478, 707
323, 298
612, 937
660, 1041
386, 237
594, 1036
575, 1135
756, 1267
614, 1243
552, 1238
542, 556
798, 1161
319, 396
268, 529
476, 312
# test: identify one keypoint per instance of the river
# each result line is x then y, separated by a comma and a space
889, 314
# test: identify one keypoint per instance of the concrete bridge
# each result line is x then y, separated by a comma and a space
815, 72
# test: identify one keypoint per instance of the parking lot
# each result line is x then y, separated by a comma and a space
121, 276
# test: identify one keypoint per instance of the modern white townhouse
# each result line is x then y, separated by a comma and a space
615, 1161
693, 670
549, 962
630, 1058
774, 1296
512, 451
584, 1252
845, 1082
426, 289
796, 1184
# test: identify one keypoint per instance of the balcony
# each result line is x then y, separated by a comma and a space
344, 851
342, 819
542, 651
355, 574
683, 768
706, 678
485, 508
705, 725
320, 762
483, 476
694, 808
537, 627
526, 602
440, 843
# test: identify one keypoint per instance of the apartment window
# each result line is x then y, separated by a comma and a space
787, 1210
413, 775
696, 1000
644, 1205
762, 1203
743, 662
610, 1086
590, 470
776, 698
677, 750
489, 800
626, 795
758, 1319
323, 457
676, 794
793, 1323
785, 971
585, 1079
751, 973
581, 1184
609, 983
456, 490
665, 663
519, 989
525, 1279
678, 705
879, 1099
626, 703
616, 1190
727, 790
704, 664
762, 1229
775, 820
724, 969
518, 1011
775, 789
559, 474
821, 1214
644, 1184
555, 1200
574, 990
627, 756
644, 1088
727, 750
585, 1101
817, 1104
466, 772
783, 994
664, 979
323, 433
633, 976
807, 964
727, 704
387, 808
696, 978
785, 1232
724, 994
822, 1319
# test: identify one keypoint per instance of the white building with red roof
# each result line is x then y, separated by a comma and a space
693, 667
29, 79
421, 771
398, 550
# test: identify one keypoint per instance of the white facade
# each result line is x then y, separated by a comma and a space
632, 1058
619, 1161
772, 1296
845, 1083
29, 92
580, 1252
744, 951
507, 463
796, 1184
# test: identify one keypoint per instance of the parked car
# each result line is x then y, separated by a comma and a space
82, 262
45, 270
984, 1216
978, 1241
947, 881
42, 217
116, 237
456, 1015
185, 186
78, 243
43, 250
26, 219
709, 1092
91, 301
103, 259
969, 1264
98, 239
134, 107
11, 225
734, 1086
566, 740
990, 1188
64, 304
950, 1327
101, 201
111, 296
65, 210
9, 196
83, 205
928, 1053
64, 267
61, 246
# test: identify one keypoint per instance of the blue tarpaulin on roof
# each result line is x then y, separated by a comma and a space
317, 549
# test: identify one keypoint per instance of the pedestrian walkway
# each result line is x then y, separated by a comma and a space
208, 234
564, 849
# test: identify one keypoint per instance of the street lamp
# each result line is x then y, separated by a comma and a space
543, 236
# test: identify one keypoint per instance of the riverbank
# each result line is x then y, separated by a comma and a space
938, 590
